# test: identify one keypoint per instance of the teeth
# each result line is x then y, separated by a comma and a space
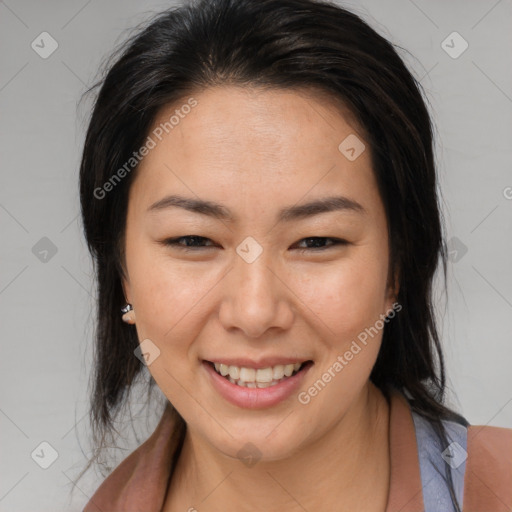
278, 372
234, 372
288, 369
264, 375
256, 378
247, 374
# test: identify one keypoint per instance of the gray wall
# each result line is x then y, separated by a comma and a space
46, 299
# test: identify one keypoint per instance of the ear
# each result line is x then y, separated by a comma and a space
129, 317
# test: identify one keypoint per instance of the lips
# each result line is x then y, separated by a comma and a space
254, 394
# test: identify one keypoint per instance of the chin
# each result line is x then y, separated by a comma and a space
254, 441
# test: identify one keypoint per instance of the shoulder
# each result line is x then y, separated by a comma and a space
477, 458
488, 479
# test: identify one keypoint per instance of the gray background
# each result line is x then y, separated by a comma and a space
46, 299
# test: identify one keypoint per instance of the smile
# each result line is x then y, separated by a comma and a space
256, 388
257, 378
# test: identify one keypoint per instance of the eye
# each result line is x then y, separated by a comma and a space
194, 239
317, 242
195, 242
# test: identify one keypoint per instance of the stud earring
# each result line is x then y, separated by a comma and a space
127, 316
126, 308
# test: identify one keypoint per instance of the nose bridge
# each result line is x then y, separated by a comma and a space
256, 278
255, 301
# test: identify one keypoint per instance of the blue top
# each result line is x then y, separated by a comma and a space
436, 460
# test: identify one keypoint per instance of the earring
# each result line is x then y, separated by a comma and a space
126, 308
127, 316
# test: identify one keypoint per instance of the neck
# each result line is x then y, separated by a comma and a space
346, 469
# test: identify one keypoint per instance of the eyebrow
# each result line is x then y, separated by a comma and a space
288, 214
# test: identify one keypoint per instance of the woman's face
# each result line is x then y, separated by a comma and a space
254, 290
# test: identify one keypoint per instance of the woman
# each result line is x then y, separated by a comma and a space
258, 192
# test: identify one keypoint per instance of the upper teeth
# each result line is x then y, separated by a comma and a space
261, 375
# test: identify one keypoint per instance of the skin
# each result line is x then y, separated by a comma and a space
257, 151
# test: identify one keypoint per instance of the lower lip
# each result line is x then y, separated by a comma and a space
255, 398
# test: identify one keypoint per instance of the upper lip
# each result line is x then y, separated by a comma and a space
264, 362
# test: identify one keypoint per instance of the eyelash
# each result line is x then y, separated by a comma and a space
174, 243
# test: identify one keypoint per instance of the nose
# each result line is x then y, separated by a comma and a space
255, 298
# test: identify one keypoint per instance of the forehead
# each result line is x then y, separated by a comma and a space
229, 121
255, 147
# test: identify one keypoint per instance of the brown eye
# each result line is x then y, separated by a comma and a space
192, 242
317, 243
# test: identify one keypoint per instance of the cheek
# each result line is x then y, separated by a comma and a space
347, 302
166, 300
347, 297
352, 288
164, 294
